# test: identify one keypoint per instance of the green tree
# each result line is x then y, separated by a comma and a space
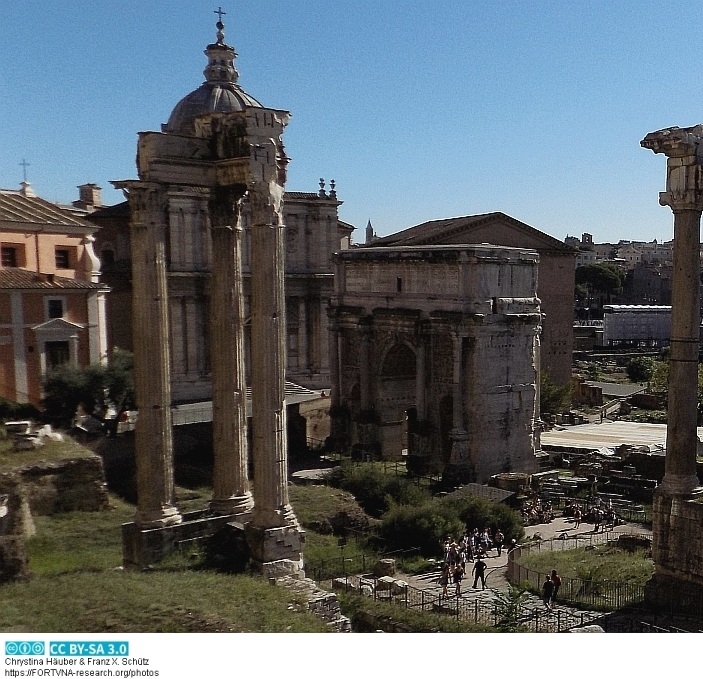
641, 369
95, 388
553, 398
660, 379
603, 278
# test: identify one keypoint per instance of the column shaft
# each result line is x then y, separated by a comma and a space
365, 400
152, 379
268, 329
334, 365
231, 493
682, 441
303, 363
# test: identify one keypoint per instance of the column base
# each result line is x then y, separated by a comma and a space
143, 547
677, 550
460, 447
681, 485
276, 552
283, 517
671, 595
237, 505
166, 516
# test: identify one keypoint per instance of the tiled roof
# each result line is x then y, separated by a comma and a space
20, 279
17, 207
193, 413
432, 233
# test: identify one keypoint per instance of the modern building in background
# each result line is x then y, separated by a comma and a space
630, 325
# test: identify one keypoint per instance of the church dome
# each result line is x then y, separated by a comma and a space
220, 92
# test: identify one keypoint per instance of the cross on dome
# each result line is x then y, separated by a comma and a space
220, 26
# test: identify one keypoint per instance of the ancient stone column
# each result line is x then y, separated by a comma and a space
365, 332
268, 329
274, 537
303, 363
420, 380
459, 459
324, 356
152, 379
334, 361
231, 493
684, 195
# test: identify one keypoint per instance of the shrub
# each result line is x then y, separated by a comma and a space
423, 527
475, 512
374, 490
641, 369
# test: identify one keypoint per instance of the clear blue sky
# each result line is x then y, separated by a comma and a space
419, 110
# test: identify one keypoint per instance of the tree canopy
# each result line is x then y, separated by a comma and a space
96, 388
601, 277
552, 397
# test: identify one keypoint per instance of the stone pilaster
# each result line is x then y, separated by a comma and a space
152, 380
231, 492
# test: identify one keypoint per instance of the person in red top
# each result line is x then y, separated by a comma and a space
556, 581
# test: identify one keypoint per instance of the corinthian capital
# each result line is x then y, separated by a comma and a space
225, 205
683, 147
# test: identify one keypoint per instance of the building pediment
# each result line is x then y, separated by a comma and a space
58, 326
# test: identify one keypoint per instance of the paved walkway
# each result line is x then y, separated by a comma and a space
497, 581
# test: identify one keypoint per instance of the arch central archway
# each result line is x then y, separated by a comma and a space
397, 395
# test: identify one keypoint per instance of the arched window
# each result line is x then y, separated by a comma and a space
399, 363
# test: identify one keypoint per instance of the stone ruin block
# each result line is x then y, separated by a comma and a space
384, 567
14, 564
385, 583
399, 587
343, 583
15, 515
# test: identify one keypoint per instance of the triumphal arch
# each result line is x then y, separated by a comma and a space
435, 356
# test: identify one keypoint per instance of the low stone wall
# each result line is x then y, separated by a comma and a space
70, 485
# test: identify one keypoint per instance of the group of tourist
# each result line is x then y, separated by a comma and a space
473, 547
601, 514
550, 589
535, 511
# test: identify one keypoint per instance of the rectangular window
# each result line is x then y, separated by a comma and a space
63, 258
54, 308
9, 256
57, 353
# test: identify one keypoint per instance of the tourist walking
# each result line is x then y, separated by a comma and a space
577, 516
444, 578
547, 593
458, 576
479, 571
556, 582
498, 539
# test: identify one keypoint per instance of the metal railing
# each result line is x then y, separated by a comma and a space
594, 594
466, 609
